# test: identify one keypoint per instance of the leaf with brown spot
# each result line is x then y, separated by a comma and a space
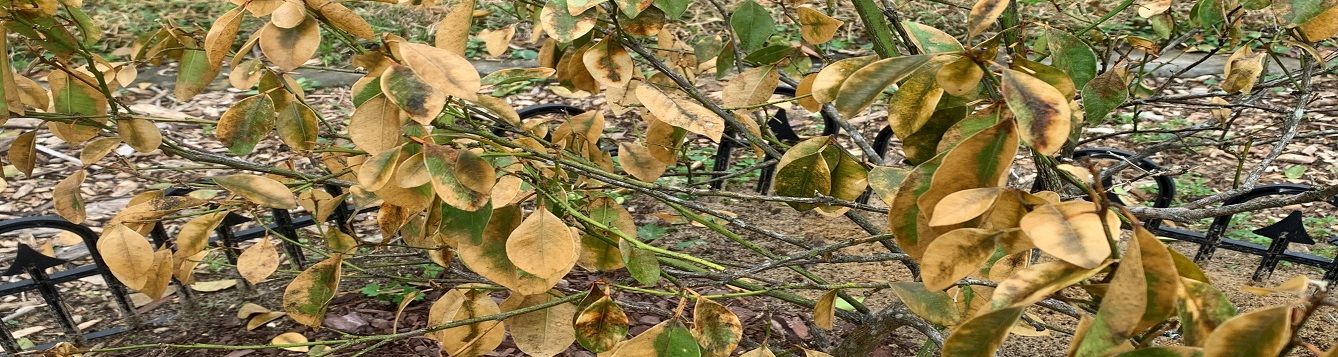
1242, 70
244, 124
609, 63
259, 189
448, 72
289, 48
67, 198
308, 296
1201, 309
412, 94
1042, 112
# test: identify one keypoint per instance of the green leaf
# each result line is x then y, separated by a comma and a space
673, 9
930, 39
1294, 172
244, 124
752, 24
641, 263
1164, 351
934, 306
1070, 54
770, 54
195, 74
308, 295
816, 167
1201, 309
1296, 12
296, 125
1103, 94
676, 341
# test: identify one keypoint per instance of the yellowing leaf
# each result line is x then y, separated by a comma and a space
244, 124
1036, 282
446, 71
340, 16
1042, 112
1242, 70
376, 125
289, 14
461, 178
601, 325
497, 40
964, 205
680, 111
716, 329
477, 338
545, 332
1264, 332
981, 335
259, 189
308, 296
669, 338
983, 14
816, 27
289, 338
412, 94
195, 73
1071, 231
127, 254
542, 245
140, 134
296, 125
258, 261
1296, 285
453, 30
67, 199
638, 161
954, 255
289, 48
827, 83
864, 85
609, 63
934, 306
23, 152
824, 311
159, 276
961, 76
752, 87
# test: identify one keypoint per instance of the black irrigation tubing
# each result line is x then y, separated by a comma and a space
31, 263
